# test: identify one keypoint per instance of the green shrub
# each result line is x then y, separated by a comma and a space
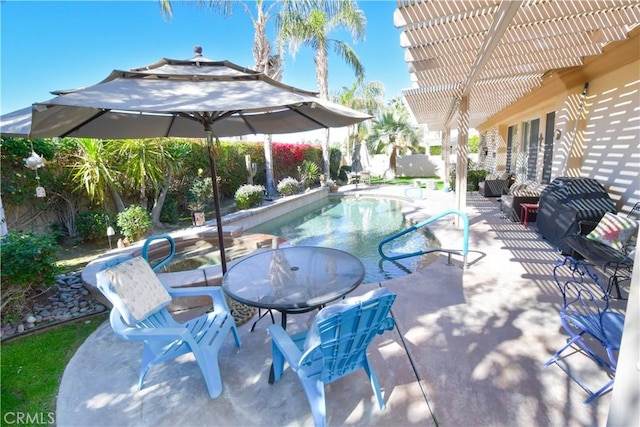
288, 186
334, 162
474, 144
249, 196
28, 261
200, 192
473, 178
170, 213
342, 174
435, 150
56, 231
134, 222
92, 225
309, 172
18, 182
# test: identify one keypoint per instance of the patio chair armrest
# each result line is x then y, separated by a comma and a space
286, 345
175, 333
133, 333
214, 292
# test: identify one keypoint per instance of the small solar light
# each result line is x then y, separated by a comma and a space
110, 232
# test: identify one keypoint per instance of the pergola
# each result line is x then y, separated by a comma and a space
471, 59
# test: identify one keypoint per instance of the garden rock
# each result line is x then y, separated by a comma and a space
68, 299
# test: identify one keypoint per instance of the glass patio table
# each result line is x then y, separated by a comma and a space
294, 279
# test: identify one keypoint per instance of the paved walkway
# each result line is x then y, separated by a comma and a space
468, 349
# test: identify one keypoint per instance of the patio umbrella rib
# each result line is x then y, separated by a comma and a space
82, 124
306, 116
172, 122
244, 119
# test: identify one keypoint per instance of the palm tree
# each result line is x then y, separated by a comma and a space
361, 96
392, 131
271, 64
312, 29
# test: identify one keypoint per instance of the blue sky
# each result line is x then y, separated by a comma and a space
51, 45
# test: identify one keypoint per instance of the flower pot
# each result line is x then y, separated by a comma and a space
333, 188
197, 218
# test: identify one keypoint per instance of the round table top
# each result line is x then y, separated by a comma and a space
295, 278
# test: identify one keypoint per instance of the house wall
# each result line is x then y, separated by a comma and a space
599, 130
612, 134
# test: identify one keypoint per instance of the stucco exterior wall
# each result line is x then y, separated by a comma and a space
418, 165
411, 165
599, 131
611, 135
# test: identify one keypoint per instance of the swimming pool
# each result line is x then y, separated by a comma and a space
355, 225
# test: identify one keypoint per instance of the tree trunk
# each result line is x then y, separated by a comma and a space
272, 67
268, 163
322, 76
322, 72
393, 159
326, 154
393, 162
143, 195
159, 201
261, 44
116, 198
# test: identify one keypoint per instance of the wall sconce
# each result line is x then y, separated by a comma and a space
557, 134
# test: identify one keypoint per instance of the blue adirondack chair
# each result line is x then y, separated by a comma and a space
588, 319
139, 313
334, 346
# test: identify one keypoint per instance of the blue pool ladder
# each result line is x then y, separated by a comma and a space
465, 248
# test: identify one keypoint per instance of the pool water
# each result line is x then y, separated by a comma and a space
354, 225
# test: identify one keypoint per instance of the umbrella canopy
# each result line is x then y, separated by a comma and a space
192, 98
16, 124
179, 98
365, 161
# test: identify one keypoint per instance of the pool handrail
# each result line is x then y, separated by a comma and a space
465, 244
164, 261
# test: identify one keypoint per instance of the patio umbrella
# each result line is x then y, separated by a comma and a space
365, 161
191, 98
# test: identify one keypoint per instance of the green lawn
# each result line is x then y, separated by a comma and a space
404, 180
31, 369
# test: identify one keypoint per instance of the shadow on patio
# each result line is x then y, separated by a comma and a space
469, 348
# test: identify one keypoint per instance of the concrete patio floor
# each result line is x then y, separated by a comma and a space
469, 349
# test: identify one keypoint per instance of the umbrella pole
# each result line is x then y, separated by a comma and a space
216, 200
